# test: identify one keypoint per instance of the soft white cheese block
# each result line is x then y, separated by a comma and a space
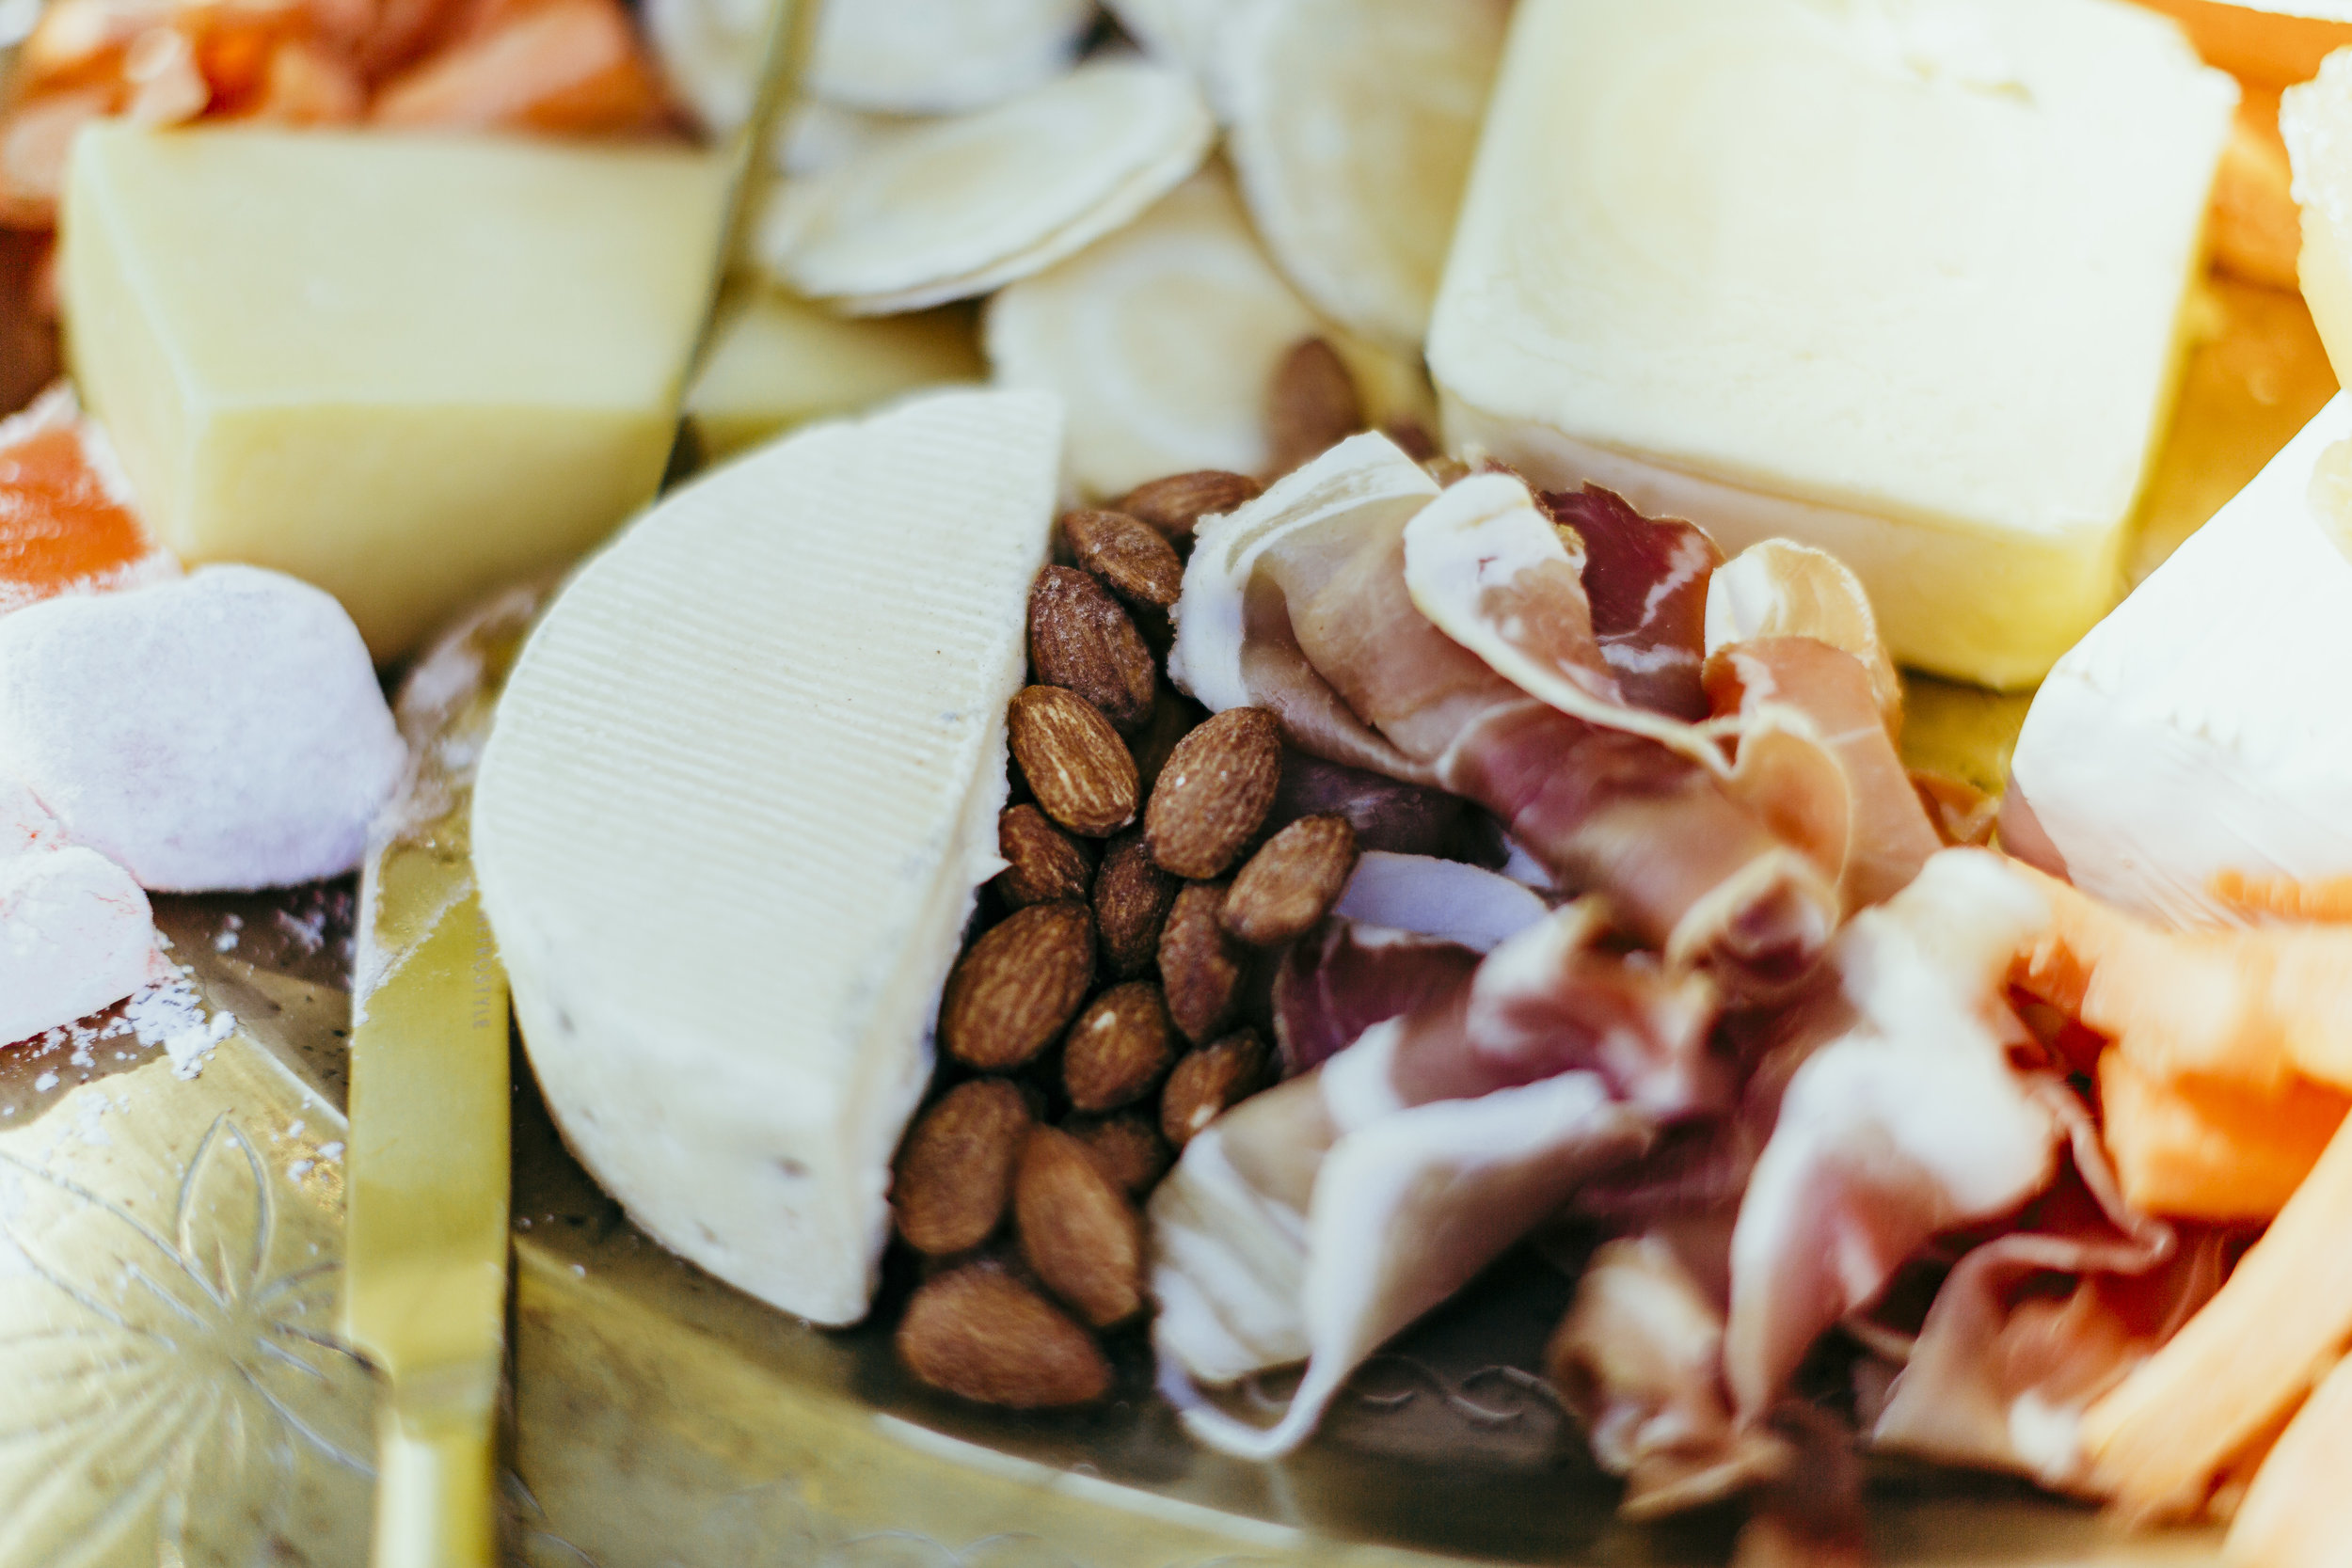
742, 786
2198, 729
1900, 278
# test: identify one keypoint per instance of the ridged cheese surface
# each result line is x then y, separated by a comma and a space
741, 790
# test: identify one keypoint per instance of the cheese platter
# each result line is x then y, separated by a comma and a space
1405, 780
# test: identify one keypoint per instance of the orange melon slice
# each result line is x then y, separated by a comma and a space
2159, 1440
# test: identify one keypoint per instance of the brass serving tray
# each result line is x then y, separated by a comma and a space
172, 1393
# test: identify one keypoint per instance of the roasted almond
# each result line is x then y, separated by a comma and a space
1209, 1082
1074, 762
1132, 898
1174, 716
982, 1335
1126, 1148
1041, 862
1312, 405
1175, 505
954, 1173
1133, 560
1011, 994
1116, 1050
1081, 639
1199, 965
1215, 793
1077, 1229
1292, 881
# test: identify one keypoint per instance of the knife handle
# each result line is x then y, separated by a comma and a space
433, 1504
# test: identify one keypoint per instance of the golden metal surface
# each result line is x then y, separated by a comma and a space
171, 1387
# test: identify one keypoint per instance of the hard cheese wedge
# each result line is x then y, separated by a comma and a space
744, 784
775, 361
1904, 281
2190, 733
405, 369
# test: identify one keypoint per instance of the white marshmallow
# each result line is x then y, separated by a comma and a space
24, 824
75, 935
221, 731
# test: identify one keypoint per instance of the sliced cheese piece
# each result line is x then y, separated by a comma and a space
2192, 732
1184, 33
943, 56
1359, 221
407, 368
954, 208
899, 56
729, 826
1162, 339
775, 361
1904, 281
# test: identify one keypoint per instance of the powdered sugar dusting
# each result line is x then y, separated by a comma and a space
171, 1015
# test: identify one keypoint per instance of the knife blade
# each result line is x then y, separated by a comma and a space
426, 1174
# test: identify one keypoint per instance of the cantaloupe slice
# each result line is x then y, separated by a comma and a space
2158, 1440
2248, 1007
2298, 1511
2283, 897
2199, 1150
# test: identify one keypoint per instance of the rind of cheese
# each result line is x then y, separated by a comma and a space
1906, 281
2193, 731
775, 363
405, 369
730, 824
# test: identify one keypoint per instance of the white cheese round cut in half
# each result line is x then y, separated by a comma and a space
955, 208
1162, 338
1354, 122
223, 730
743, 787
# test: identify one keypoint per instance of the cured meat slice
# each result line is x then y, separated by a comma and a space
1910, 1123
1445, 640
1805, 693
1647, 579
1403, 1212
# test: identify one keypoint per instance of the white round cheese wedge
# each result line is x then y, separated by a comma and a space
1354, 122
743, 787
952, 209
1162, 338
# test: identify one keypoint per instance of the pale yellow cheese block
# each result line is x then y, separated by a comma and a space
1905, 282
776, 361
404, 369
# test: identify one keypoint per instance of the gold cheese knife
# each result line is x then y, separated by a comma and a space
426, 1240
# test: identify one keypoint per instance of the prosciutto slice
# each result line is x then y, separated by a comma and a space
1639, 1359
1910, 1123
2034, 1324
1850, 803
1446, 640
1341, 980
1316, 1220
1646, 578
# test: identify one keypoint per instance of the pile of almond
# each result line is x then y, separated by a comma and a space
1111, 1004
